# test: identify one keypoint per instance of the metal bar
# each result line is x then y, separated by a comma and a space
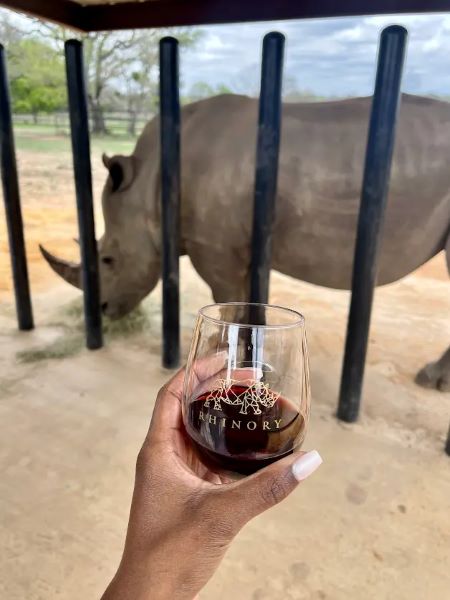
79, 130
11, 196
380, 145
267, 152
170, 198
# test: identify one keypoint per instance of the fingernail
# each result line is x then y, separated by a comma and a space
306, 465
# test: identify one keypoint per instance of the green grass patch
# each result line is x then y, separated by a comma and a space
45, 139
31, 144
113, 145
72, 341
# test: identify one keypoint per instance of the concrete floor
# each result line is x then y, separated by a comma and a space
373, 523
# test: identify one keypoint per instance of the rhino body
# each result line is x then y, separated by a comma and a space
319, 184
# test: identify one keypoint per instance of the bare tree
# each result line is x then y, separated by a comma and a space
106, 55
10, 33
123, 62
140, 81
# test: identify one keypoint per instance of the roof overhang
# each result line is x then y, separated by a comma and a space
98, 15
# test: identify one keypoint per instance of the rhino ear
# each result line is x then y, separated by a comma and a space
121, 171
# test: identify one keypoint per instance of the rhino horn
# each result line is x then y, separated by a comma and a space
69, 271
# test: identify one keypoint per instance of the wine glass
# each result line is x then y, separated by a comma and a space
246, 397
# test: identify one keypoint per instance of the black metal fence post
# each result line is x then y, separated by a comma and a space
170, 198
79, 130
267, 152
11, 196
380, 145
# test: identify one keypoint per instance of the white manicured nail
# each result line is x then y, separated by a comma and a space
306, 465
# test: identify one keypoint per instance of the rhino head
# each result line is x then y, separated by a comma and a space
129, 251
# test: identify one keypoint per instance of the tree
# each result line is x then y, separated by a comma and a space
119, 65
37, 78
141, 84
201, 89
36, 70
120, 62
106, 55
10, 34
305, 95
141, 89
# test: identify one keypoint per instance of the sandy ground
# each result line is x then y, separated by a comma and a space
372, 523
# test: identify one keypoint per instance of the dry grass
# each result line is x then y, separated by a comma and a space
70, 319
61, 348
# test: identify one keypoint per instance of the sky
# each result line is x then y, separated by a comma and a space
329, 57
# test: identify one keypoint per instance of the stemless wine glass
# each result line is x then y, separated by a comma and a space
246, 397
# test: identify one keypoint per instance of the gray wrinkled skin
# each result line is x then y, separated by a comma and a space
319, 184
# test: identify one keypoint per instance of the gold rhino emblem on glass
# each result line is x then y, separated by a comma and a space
255, 395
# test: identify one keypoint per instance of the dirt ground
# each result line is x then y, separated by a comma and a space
372, 523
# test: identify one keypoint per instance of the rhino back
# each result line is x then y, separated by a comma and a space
320, 174
321, 187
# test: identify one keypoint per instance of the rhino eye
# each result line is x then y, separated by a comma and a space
107, 260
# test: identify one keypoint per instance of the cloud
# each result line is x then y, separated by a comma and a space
330, 57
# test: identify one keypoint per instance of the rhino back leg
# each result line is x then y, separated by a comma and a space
437, 374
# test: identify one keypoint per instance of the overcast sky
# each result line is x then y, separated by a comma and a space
326, 56
329, 57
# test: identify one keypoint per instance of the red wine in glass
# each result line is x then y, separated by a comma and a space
243, 438
246, 392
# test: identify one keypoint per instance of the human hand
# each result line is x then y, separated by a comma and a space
184, 515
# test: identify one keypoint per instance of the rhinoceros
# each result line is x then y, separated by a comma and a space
320, 173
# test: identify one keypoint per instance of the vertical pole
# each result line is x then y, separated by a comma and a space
79, 130
11, 196
170, 198
267, 152
380, 145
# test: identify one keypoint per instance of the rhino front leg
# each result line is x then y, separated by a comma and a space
223, 269
437, 375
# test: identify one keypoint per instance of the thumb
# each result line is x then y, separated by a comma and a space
269, 486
